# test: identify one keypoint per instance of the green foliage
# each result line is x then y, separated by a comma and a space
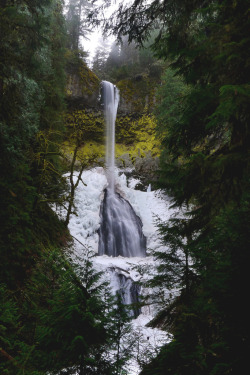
53, 316
170, 103
135, 137
131, 130
175, 266
203, 122
89, 80
33, 281
122, 338
31, 91
8, 326
58, 320
83, 85
125, 61
89, 124
75, 21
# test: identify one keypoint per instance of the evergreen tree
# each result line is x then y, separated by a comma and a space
124, 60
205, 168
76, 22
61, 324
51, 319
32, 86
121, 336
100, 60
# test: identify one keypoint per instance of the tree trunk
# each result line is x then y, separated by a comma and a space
73, 186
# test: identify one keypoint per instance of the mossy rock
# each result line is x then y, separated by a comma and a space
136, 95
135, 125
82, 89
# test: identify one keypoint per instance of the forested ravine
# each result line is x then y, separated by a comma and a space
181, 161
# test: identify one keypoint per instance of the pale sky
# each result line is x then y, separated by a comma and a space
95, 37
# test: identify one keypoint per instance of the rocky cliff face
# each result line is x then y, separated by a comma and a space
137, 95
135, 125
82, 88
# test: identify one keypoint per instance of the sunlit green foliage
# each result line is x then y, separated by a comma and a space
90, 124
135, 137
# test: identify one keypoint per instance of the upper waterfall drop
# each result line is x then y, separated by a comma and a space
121, 229
110, 96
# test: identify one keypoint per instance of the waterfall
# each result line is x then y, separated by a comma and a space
121, 229
120, 232
128, 290
110, 95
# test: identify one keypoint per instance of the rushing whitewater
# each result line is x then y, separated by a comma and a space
128, 289
120, 231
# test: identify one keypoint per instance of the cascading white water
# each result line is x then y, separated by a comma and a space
121, 230
128, 290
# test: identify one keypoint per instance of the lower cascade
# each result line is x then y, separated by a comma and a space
126, 276
121, 229
128, 290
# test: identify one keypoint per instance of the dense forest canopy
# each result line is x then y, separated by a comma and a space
193, 58
203, 111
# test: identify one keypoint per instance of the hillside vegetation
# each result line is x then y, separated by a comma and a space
182, 69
